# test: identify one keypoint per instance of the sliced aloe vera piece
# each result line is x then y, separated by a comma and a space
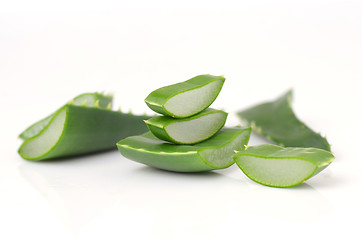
187, 98
75, 130
189, 130
214, 153
86, 99
276, 166
276, 121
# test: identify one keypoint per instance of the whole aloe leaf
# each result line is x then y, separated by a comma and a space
277, 122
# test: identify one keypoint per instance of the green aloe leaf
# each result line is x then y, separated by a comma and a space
77, 129
276, 166
187, 98
191, 130
276, 121
86, 99
214, 153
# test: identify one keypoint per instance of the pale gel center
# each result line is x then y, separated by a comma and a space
193, 101
47, 139
280, 172
197, 129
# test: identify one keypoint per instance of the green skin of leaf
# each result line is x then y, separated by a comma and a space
86, 99
149, 150
276, 121
157, 125
318, 157
87, 130
158, 98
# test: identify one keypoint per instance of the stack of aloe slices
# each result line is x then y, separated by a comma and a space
84, 125
187, 136
186, 117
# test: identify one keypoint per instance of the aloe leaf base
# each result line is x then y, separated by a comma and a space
214, 153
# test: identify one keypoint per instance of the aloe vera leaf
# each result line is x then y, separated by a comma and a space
276, 121
276, 166
75, 130
187, 98
86, 99
214, 153
191, 130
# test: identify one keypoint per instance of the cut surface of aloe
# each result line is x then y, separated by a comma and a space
214, 153
189, 130
276, 166
80, 129
187, 98
276, 121
86, 99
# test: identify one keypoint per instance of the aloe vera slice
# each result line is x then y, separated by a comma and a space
187, 98
86, 99
75, 130
214, 153
276, 166
276, 121
189, 130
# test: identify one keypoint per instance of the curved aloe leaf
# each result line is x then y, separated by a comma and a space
187, 98
86, 99
276, 166
214, 153
189, 130
75, 130
276, 121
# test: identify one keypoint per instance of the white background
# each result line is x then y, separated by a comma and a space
52, 51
